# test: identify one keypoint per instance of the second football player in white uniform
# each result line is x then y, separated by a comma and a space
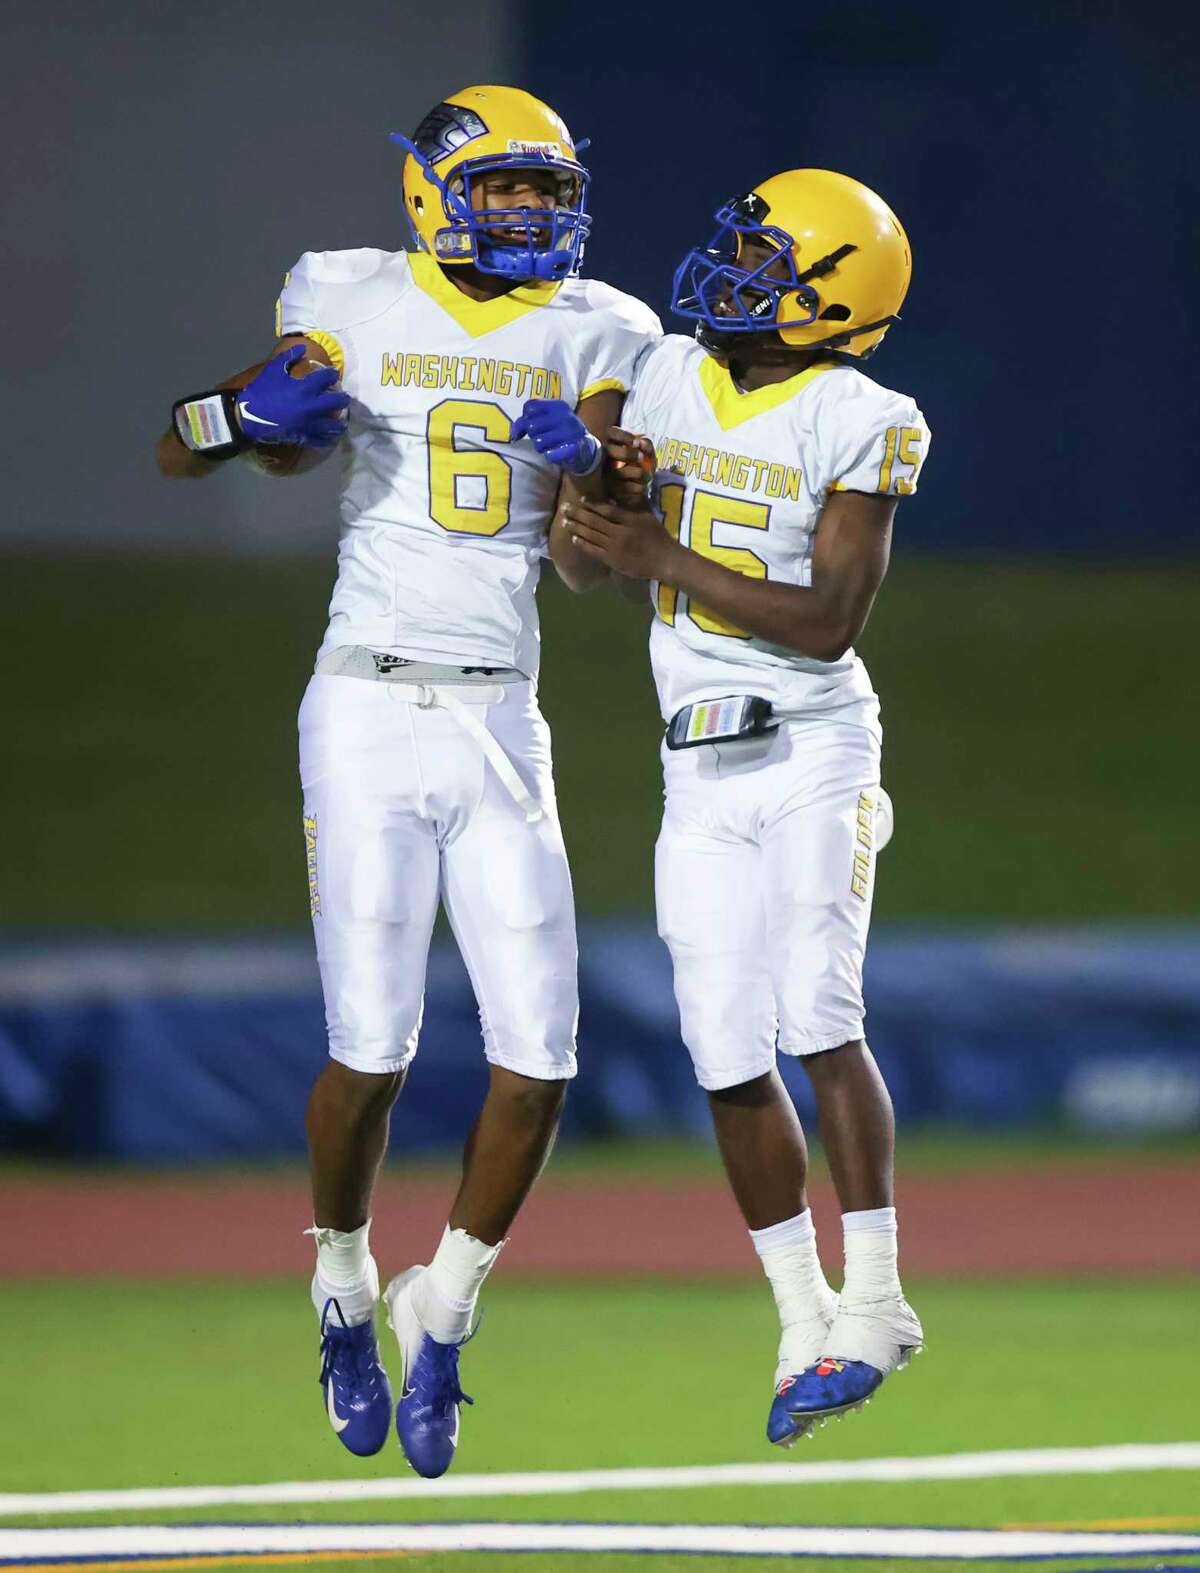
424, 758
779, 468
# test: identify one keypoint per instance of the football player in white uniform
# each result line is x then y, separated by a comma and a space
424, 759
778, 465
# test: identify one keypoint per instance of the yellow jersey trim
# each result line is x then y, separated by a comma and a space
287, 279
331, 347
605, 385
477, 317
731, 406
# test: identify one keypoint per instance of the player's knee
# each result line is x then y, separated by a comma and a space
529, 1100
751, 1094
352, 1096
833, 1065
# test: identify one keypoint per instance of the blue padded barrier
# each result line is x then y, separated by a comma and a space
203, 1050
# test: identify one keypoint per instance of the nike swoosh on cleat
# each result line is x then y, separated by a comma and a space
335, 1420
248, 415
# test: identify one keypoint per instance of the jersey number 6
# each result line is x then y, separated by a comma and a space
469, 488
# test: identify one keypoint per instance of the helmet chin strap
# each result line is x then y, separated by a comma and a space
726, 344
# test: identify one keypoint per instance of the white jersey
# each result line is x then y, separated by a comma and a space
742, 478
444, 519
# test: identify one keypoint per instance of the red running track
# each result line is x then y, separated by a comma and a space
1064, 1217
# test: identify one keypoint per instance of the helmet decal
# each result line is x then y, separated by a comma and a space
446, 129
750, 209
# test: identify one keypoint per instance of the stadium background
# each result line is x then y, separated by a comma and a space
1035, 973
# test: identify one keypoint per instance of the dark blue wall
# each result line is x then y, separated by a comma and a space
1044, 161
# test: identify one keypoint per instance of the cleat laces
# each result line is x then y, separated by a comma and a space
344, 1358
433, 1380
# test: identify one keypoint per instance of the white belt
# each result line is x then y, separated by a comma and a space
457, 700
436, 687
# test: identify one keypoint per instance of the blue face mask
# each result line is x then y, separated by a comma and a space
749, 298
548, 242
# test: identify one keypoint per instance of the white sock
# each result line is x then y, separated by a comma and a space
346, 1272
870, 1243
788, 1252
445, 1294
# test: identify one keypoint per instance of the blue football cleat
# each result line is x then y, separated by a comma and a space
358, 1397
825, 1391
427, 1414
888, 1331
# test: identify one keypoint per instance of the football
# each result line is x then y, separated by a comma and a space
287, 459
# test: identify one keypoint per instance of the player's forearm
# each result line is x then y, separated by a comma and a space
305, 435
820, 622
179, 463
576, 570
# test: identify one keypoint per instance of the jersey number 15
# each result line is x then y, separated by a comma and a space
708, 510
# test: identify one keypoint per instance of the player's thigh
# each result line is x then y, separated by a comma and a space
708, 895
507, 890
819, 879
372, 869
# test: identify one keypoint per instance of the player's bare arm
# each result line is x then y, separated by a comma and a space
821, 620
576, 569
315, 404
628, 471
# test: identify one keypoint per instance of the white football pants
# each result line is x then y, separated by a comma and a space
764, 877
401, 808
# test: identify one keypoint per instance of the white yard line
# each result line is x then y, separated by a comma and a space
247, 1540
943, 1466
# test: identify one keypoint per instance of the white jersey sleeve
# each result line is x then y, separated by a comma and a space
656, 376
296, 308
617, 332
877, 442
315, 299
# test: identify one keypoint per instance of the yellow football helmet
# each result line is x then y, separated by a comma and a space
489, 128
837, 274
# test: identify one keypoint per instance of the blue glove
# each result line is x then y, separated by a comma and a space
277, 407
557, 433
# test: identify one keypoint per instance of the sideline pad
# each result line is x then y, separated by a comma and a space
250, 1540
1117, 1459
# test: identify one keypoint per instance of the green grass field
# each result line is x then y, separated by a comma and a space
112, 1384
1028, 711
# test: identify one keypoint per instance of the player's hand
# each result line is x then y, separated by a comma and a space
558, 434
631, 540
304, 411
629, 465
